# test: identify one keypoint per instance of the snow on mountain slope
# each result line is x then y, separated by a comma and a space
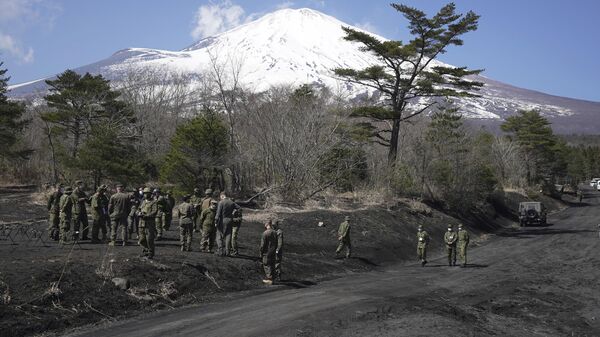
298, 46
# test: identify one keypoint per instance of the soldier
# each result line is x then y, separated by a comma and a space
344, 238
463, 242
579, 195
162, 206
279, 251
186, 226
450, 238
99, 206
205, 203
268, 247
148, 211
223, 221
133, 219
119, 207
168, 214
65, 213
80, 217
422, 242
235, 230
196, 201
207, 219
54, 213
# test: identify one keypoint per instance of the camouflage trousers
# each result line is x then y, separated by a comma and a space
344, 243
80, 223
99, 223
207, 242
114, 226
462, 252
186, 232
133, 221
53, 225
234, 239
159, 225
64, 227
268, 261
422, 252
451, 250
147, 236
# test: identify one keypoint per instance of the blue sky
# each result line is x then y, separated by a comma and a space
548, 45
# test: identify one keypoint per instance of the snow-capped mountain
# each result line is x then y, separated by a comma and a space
298, 46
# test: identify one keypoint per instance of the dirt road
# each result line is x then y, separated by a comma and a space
523, 282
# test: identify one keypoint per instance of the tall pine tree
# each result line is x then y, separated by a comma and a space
406, 73
12, 123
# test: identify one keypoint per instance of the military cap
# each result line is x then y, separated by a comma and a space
460, 225
104, 187
449, 225
147, 190
69, 189
119, 185
208, 191
347, 218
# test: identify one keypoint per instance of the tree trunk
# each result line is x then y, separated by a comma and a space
393, 151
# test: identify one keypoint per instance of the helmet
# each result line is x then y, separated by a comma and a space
208, 191
147, 190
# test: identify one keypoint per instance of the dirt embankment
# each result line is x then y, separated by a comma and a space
48, 288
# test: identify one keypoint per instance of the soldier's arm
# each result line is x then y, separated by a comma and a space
219, 211
50, 201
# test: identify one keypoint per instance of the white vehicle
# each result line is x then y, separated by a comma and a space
594, 182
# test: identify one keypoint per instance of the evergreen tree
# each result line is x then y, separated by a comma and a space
406, 73
12, 123
198, 153
534, 135
80, 103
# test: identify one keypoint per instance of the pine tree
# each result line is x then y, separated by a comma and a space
12, 123
406, 74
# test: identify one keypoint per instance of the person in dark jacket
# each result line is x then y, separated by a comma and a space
224, 223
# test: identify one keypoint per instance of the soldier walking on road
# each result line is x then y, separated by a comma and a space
279, 251
268, 248
207, 219
344, 238
119, 207
463, 242
80, 217
422, 242
65, 213
148, 211
450, 238
186, 226
54, 213
99, 206
224, 222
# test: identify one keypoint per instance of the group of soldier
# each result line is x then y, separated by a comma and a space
147, 213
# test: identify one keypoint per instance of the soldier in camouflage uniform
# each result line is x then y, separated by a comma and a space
54, 213
279, 251
147, 227
119, 207
133, 219
80, 217
235, 230
196, 201
207, 219
99, 208
422, 243
344, 238
168, 214
162, 206
268, 247
450, 238
463, 242
65, 213
186, 226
